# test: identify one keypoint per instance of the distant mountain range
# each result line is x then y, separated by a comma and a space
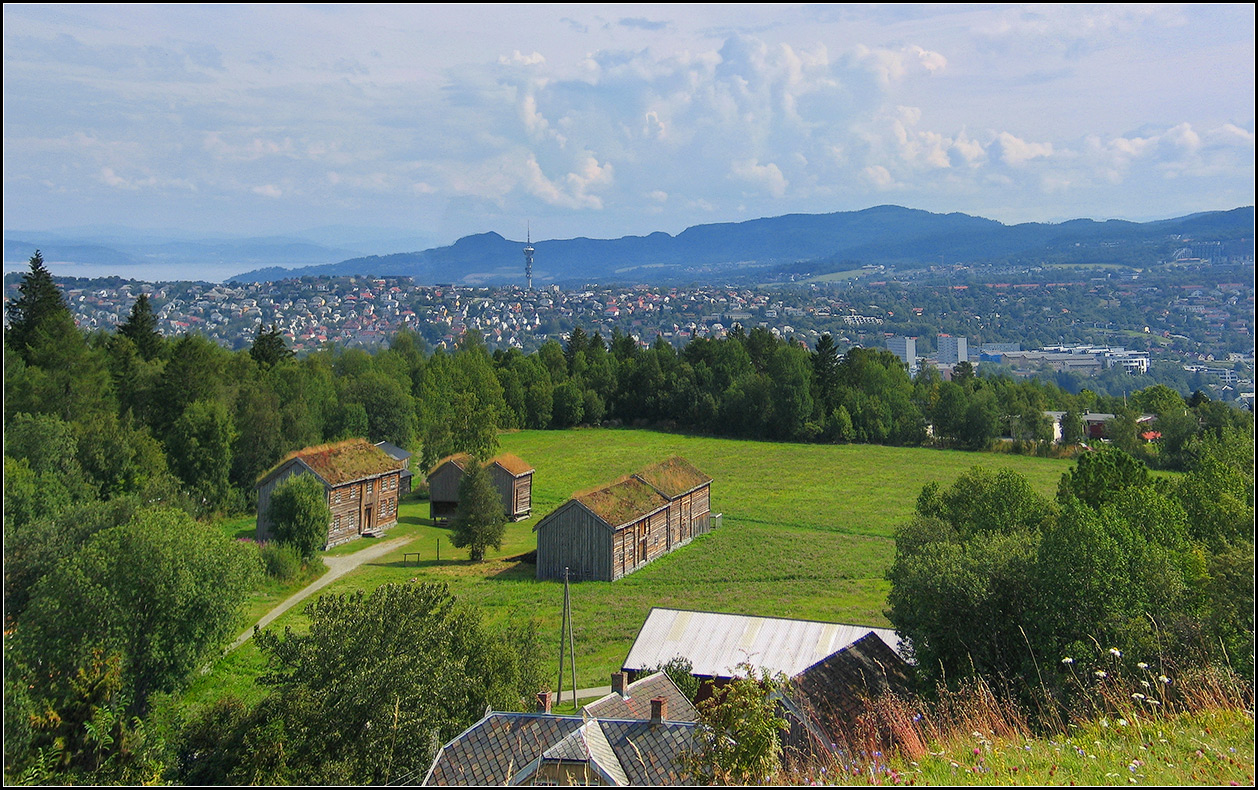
764, 249
760, 250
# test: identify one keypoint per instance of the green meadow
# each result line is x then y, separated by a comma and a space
807, 532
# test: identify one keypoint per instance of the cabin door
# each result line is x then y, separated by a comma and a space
368, 519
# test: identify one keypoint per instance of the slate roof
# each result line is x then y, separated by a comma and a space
673, 477
393, 451
341, 462
716, 643
503, 748
836, 687
637, 703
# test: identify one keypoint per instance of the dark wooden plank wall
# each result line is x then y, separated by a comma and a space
574, 537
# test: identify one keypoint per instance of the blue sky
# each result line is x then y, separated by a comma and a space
603, 121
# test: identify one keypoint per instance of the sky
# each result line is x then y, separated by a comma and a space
610, 120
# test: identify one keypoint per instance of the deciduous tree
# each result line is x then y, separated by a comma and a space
299, 514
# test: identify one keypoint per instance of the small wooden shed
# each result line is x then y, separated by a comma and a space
512, 478
608, 532
360, 480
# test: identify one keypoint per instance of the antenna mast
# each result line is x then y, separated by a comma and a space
528, 258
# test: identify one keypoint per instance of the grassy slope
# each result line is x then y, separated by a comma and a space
807, 533
1209, 747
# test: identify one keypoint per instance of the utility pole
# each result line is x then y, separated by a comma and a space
572, 649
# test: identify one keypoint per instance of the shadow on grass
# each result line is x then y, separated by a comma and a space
523, 567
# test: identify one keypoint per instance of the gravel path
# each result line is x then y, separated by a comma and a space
337, 567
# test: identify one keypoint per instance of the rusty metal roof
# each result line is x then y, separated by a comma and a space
715, 643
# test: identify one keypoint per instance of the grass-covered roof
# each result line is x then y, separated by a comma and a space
342, 462
673, 477
623, 501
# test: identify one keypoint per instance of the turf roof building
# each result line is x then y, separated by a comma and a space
512, 478
360, 481
608, 532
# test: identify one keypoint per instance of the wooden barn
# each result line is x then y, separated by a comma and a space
512, 477
611, 531
361, 482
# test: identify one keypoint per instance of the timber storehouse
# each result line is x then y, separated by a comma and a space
513, 480
611, 531
359, 479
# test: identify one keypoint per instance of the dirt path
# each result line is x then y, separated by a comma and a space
337, 567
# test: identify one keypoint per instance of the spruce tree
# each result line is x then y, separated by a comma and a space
141, 328
479, 521
40, 300
269, 348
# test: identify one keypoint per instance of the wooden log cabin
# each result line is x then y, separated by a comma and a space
512, 478
360, 480
608, 532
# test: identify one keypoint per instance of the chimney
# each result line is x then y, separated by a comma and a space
543, 701
620, 683
659, 709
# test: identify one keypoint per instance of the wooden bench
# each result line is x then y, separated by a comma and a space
406, 555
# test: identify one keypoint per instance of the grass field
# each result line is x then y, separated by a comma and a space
807, 533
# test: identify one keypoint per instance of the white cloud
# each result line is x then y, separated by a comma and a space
268, 190
879, 176
768, 177
517, 59
1016, 151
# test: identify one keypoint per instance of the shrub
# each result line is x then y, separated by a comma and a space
281, 560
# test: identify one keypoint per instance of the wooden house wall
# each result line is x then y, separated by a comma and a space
522, 496
443, 483
516, 493
266, 489
573, 537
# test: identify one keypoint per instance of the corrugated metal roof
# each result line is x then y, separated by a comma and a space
715, 643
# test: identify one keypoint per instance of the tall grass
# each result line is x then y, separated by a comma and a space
1149, 728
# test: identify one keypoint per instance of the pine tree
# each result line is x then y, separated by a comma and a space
141, 329
479, 521
270, 348
40, 300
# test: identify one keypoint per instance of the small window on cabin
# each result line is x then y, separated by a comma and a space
369, 485
338, 497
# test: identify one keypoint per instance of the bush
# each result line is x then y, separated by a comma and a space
281, 560
299, 514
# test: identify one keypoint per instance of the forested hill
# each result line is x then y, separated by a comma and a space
799, 244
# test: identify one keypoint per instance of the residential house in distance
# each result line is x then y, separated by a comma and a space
635, 736
398, 454
512, 478
608, 532
360, 480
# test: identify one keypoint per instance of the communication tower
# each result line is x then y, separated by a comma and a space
528, 259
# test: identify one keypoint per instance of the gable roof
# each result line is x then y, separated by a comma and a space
637, 703
340, 462
460, 461
716, 643
507, 748
512, 464
393, 451
621, 502
673, 477
836, 686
